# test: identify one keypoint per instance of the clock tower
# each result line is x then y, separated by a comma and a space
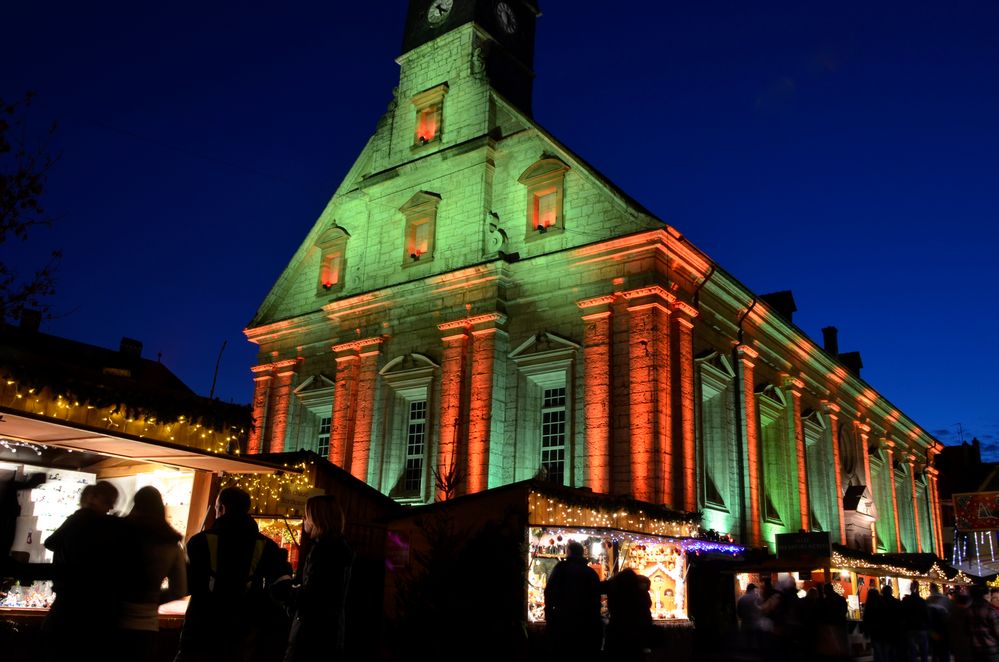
506, 28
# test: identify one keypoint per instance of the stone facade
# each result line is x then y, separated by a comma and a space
550, 322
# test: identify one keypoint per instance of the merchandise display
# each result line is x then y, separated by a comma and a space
661, 559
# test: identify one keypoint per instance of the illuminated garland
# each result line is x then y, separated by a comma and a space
265, 490
13, 445
219, 431
547, 510
934, 573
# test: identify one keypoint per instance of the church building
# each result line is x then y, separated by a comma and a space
477, 306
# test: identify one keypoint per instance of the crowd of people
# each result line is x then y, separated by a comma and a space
777, 624
111, 574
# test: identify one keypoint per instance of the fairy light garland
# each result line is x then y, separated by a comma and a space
547, 510
266, 490
935, 571
189, 430
14, 445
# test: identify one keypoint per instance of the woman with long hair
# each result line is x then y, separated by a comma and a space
317, 630
158, 554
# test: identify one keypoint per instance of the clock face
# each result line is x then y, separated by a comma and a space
439, 9
507, 18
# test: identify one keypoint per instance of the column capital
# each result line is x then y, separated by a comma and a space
888, 444
486, 320
830, 408
596, 302
932, 472
359, 345
862, 428
273, 366
686, 309
747, 353
792, 383
654, 291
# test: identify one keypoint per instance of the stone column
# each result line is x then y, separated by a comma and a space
280, 403
484, 330
915, 503
864, 432
597, 391
452, 387
751, 435
889, 446
934, 499
651, 436
684, 358
832, 411
367, 383
261, 393
794, 387
344, 402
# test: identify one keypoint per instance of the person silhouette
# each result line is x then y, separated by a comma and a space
572, 606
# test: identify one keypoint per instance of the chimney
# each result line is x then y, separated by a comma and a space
851, 361
781, 302
830, 342
130, 347
30, 320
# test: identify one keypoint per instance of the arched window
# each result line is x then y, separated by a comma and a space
332, 245
420, 229
545, 182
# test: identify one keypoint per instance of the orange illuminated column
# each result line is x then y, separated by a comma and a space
367, 382
864, 432
344, 402
480, 407
747, 356
832, 411
597, 391
452, 382
261, 392
889, 445
649, 394
932, 472
684, 316
915, 502
280, 401
794, 387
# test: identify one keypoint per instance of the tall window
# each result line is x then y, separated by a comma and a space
775, 450
429, 115
553, 433
420, 213
716, 429
323, 438
332, 245
416, 444
545, 183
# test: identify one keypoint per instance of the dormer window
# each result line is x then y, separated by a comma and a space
545, 182
421, 221
429, 115
332, 245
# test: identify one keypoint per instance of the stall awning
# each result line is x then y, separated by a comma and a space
20, 426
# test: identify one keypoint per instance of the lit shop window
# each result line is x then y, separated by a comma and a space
323, 438
332, 245
421, 220
545, 184
429, 115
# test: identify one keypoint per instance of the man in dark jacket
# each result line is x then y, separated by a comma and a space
572, 607
231, 567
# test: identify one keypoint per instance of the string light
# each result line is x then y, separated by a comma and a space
934, 573
12, 446
188, 429
266, 490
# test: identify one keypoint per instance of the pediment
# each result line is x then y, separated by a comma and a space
717, 361
546, 168
420, 202
318, 382
408, 363
544, 344
332, 235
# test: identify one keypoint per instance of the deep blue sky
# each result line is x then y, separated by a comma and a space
846, 150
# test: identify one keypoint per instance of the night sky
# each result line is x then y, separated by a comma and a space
847, 151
